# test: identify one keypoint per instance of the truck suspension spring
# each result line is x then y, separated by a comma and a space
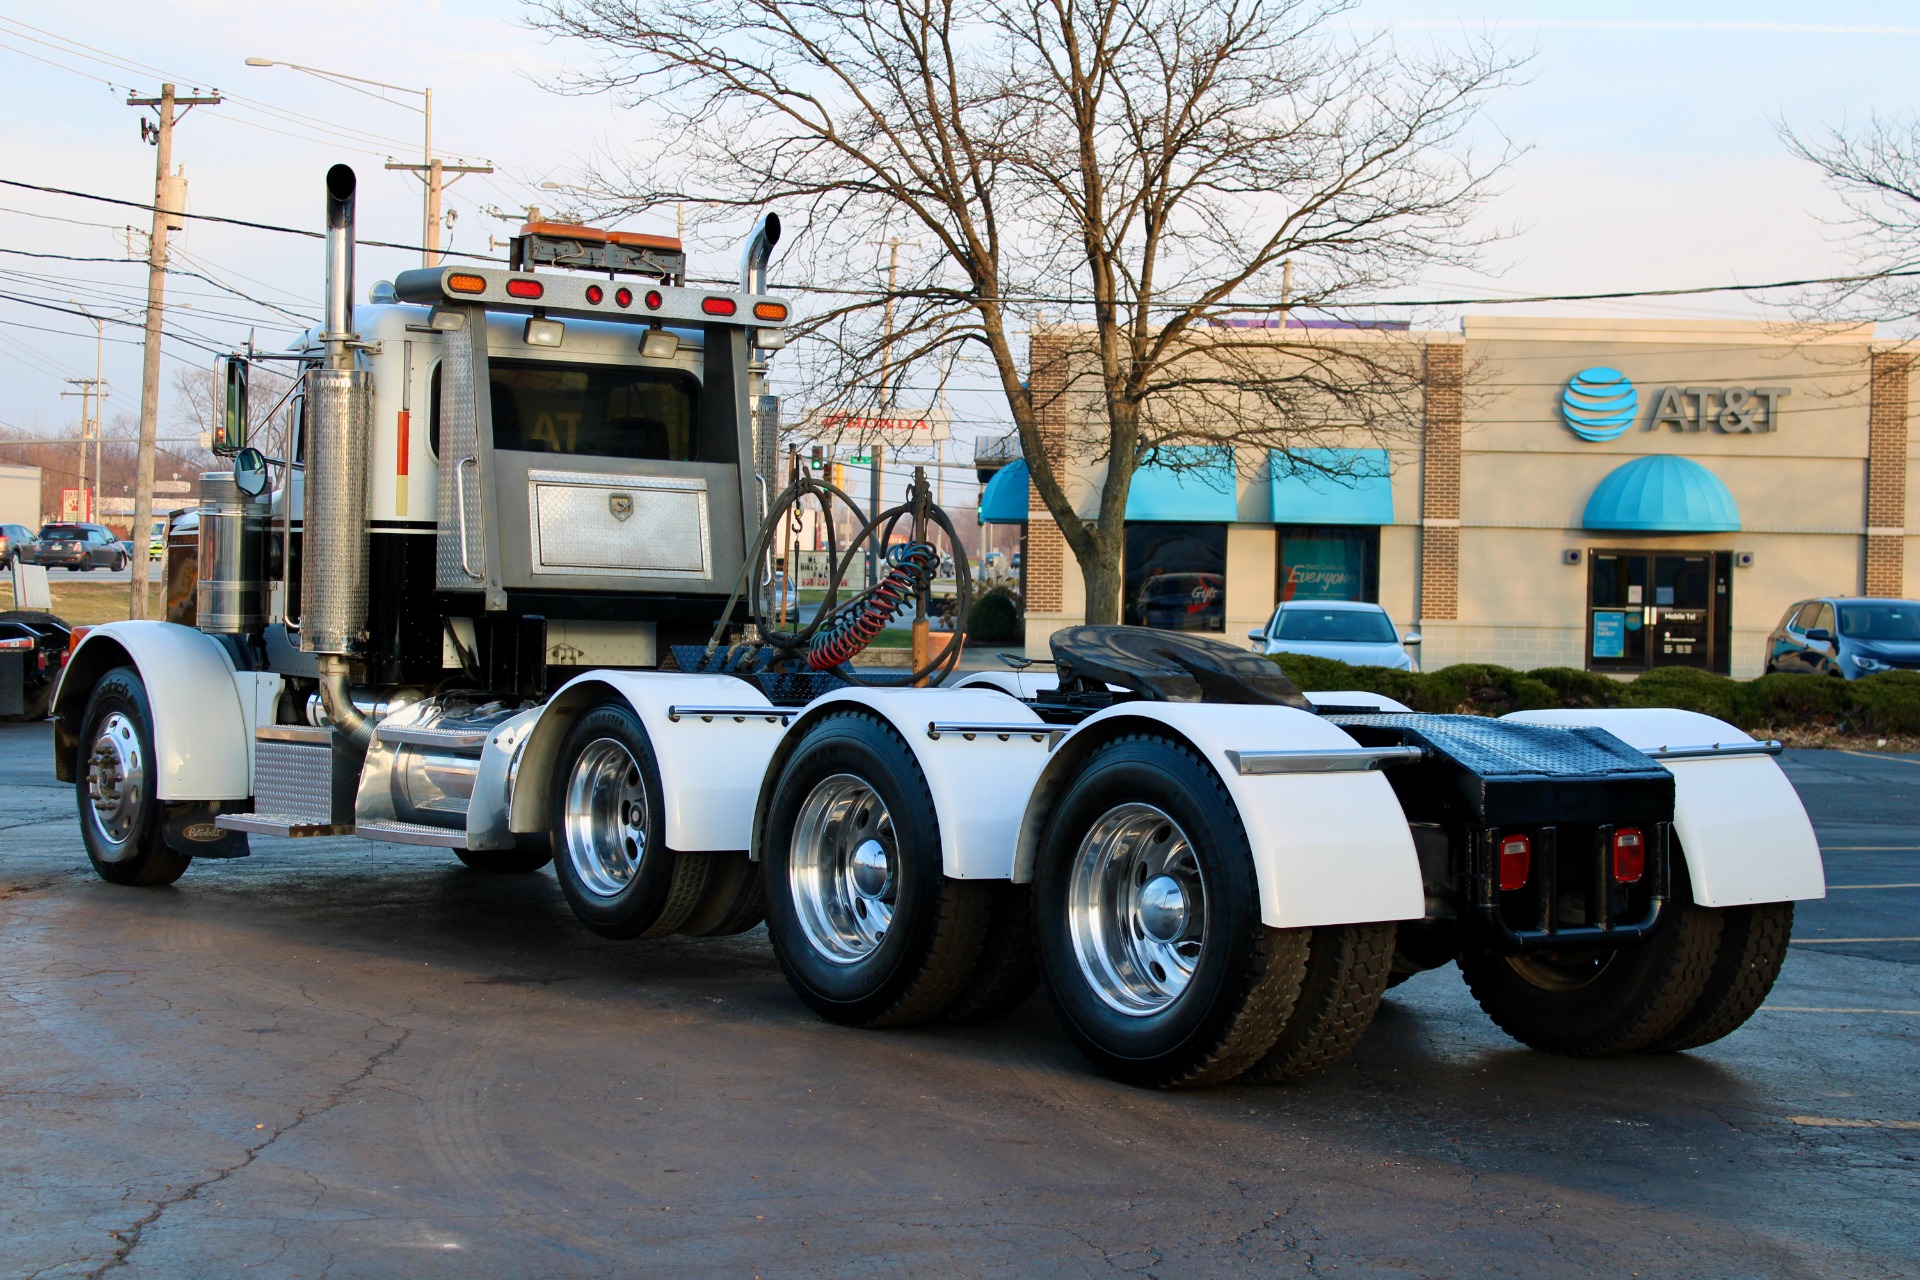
910, 568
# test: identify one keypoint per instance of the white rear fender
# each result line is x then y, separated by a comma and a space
204, 711
710, 766
1328, 848
1743, 831
979, 781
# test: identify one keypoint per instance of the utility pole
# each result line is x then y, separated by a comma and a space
433, 172
165, 184
877, 452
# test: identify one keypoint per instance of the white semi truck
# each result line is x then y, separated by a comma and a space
475, 605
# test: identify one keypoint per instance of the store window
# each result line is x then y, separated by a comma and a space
1176, 577
1329, 562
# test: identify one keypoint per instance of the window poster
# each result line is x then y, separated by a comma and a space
1609, 633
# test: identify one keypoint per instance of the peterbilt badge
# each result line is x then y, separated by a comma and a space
621, 504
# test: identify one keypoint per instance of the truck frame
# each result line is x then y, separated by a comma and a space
478, 606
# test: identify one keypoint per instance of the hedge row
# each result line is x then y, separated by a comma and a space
1885, 703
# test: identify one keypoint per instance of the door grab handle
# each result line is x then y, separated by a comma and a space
460, 500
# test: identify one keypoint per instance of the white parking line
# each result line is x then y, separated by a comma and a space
1808, 942
1810, 1008
1875, 755
1832, 1122
1870, 848
1832, 887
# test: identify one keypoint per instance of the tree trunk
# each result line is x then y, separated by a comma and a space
1102, 572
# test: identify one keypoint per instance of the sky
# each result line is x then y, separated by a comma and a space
1651, 157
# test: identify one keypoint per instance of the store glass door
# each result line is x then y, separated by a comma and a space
1658, 609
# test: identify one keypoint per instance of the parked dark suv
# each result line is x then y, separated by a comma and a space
1850, 636
79, 546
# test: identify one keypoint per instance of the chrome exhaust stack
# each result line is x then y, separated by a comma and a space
339, 413
753, 259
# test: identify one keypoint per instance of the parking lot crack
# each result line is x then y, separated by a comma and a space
128, 1239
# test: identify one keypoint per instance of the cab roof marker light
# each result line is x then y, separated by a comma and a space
521, 287
463, 282
769, 311
719, 306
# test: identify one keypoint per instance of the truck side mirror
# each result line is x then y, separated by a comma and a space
250, 472
230, 432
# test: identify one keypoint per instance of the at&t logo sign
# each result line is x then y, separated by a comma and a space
1601, 404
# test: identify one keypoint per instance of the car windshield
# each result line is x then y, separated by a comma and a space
1353, 626
1880, 621
63, 531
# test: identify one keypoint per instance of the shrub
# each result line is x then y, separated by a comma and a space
1690, 690
995, 619
1577, 688
1886, 703
1781, 701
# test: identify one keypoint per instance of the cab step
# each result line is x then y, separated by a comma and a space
294, 826
466, 739
412, 833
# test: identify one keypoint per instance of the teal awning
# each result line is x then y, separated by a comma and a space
1331, 486
1004, 500
1195, 483
1662, 494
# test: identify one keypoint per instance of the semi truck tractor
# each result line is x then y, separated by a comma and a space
503, 594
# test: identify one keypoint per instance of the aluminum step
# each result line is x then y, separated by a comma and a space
451, 740
412, 833
293, 826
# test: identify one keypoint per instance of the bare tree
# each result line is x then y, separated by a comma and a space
1875, 169
1133, 175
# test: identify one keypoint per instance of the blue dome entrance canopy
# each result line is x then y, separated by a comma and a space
1004, 500
1662, 494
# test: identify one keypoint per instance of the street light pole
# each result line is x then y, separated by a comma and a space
431, 171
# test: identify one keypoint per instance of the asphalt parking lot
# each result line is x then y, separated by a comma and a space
349, 1059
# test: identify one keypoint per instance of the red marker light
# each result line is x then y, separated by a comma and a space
1516, 862
719, 306
624, 297
1629, 855
525, 288
595, 293
653, 299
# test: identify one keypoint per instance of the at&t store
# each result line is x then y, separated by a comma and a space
1610, 494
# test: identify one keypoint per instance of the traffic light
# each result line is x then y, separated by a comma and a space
818, 459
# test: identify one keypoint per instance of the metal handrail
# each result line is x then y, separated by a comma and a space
1709, 750
782, 714
969, 730
460, 499
1324, 760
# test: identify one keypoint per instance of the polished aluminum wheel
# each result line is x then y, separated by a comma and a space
843, 868
1137, 909
116, 777
606, 818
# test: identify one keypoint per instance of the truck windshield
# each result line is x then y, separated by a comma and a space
594, 410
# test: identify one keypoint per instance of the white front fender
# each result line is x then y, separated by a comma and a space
1328, 848
204, 711
1743, 831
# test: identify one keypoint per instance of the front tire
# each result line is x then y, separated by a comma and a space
1589, 1004
122, 818
1148, 921
608, 831
865, 924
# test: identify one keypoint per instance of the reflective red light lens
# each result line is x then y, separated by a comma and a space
624, 297
1516, 862
653, 299
719, 306
595, 293
1629, 855
525, 288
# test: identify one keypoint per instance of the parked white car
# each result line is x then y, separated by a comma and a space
1360, 634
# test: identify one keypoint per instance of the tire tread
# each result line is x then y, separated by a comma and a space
1347, 972
1753, 946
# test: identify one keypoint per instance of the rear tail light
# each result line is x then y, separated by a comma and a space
653, 300
719, 306
460, 282
623, 296
1516, 861
525, 288
595, 293
1629, 855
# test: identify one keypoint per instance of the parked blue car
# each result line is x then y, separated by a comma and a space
1849, 636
